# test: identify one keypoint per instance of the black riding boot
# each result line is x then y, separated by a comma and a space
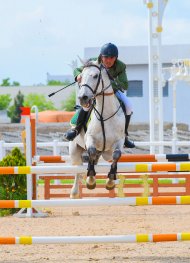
127, 143
71, 134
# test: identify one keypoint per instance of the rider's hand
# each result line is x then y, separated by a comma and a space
79, 78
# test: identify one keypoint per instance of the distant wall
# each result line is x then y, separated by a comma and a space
45, 90
140, 105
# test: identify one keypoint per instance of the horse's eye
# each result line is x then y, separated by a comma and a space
95, 76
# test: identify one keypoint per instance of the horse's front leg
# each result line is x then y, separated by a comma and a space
75, 153
92, 153
110, 182
91, 181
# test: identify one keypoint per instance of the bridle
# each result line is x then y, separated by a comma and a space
99, 115
98, 82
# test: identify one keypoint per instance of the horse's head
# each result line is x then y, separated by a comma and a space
95, 80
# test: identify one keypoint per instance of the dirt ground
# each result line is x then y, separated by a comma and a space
106, 220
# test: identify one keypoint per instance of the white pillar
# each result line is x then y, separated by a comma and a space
28, 161
174, 128
155, 13
2, 150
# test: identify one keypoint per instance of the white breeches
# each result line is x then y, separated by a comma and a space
128, 105
120, 95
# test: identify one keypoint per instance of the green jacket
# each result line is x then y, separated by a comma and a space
117, 72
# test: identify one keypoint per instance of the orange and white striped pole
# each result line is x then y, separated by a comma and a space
135, 201
136, 238
100, 168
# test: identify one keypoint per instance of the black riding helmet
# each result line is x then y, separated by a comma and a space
109, 50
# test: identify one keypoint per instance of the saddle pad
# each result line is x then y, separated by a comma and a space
73, 121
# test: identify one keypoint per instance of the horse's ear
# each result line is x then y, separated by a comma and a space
81, 60
73, 64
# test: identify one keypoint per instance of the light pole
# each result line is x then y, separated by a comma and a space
155, 14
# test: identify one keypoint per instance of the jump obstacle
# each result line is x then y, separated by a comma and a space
133, 201
37, 160
100, 168
122, 167
133, 168
122, 189
127, 185
123, 158
137, 238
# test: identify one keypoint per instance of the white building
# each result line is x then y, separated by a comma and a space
136, 58
61, 78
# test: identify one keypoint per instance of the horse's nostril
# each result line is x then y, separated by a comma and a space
85, 98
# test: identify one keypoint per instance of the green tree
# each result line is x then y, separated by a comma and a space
6, 82
14, 112
69, 104
16, 83
39, 100
5, 100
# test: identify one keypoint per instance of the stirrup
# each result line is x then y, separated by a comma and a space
128, 144
71, 134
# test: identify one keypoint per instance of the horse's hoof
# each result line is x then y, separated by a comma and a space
91, 182
91, 187
110, 184
74, 196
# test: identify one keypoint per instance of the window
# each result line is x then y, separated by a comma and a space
165, 90
135, 88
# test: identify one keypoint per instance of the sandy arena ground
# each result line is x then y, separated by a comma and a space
99, 221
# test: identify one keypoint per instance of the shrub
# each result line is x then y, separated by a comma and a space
5, 100
69, 104
39, 100
13, 187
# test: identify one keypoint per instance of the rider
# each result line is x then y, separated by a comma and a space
117, 71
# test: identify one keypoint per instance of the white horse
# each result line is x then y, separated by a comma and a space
105, 132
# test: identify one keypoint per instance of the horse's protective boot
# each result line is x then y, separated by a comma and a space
71, 134
127, 143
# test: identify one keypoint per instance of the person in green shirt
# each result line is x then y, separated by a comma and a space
117, 72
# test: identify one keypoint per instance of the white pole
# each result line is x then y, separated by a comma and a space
134, 238
28, 161
117, 201
55, 153
35, 108
160, 94
174, 128
2, 150
161, 4
150, 70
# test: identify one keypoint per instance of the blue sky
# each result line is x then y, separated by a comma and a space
40, 36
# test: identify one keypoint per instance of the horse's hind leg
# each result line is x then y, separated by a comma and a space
110, 182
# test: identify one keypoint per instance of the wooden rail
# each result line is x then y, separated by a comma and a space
149, 185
